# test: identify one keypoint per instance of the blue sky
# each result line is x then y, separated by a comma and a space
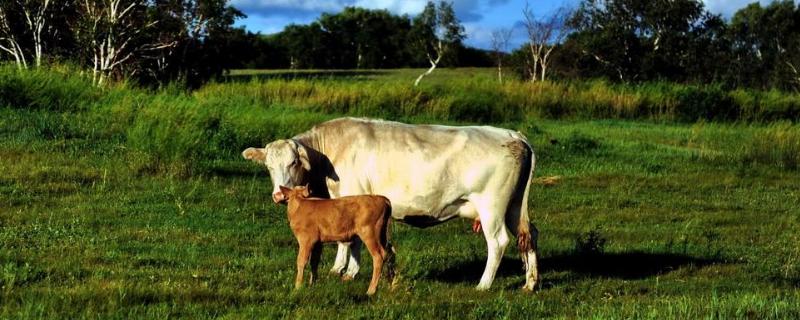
479, 17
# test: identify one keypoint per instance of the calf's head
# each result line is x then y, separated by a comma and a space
287, 162
296, 192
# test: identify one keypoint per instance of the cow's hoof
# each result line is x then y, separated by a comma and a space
347, 277
528, 289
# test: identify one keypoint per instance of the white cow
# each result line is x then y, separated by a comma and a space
430, 173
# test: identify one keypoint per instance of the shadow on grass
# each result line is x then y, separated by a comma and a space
628, 266
357, 75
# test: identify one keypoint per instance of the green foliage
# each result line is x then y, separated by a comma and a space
57, 90
591, 243
638, 40
580, 143
777, 145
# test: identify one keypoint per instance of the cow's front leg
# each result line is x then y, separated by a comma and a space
342, 256
354, 257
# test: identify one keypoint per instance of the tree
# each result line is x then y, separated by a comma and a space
111, 30
500, 38
543, 36
641, 39
22, 28
766, 44
436, 30
10, 31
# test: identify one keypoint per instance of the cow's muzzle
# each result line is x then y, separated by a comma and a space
278, 197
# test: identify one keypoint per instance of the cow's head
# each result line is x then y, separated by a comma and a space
287, 162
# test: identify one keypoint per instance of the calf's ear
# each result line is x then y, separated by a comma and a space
285, 191
306, 191
255, 154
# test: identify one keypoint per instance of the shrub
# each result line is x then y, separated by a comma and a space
778, 145
45, 89
591, 243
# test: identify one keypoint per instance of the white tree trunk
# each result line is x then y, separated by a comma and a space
434, 63
796, 73
433, 66
11, 46
500, 71
15, 51
544, 61
36, 20
544, 71
112, 50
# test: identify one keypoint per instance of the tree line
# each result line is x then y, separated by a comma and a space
620, 40
149, 41
680, 41
358, 38
190, 41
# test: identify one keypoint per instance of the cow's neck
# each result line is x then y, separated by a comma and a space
321, 167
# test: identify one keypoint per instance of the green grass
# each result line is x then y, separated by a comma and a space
123, 203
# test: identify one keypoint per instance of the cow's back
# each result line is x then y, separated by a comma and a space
422, 169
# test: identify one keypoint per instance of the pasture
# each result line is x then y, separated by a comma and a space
127, 203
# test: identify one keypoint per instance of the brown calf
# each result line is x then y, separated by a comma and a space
315, 221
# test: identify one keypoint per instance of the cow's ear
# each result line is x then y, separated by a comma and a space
255, 154
303, 154
285, 191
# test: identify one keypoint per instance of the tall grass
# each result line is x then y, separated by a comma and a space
484, 100
174, 129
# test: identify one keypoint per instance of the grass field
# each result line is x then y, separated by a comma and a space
125, 203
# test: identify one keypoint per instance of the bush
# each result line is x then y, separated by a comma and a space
56, 90
778, 145
705, 103
591, 243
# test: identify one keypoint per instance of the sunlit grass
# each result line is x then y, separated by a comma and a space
124, 203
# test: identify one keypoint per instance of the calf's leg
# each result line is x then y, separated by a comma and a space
378, 254
316, 254
302, 259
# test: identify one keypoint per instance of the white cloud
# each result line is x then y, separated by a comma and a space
399, 7
728, 7
300, 5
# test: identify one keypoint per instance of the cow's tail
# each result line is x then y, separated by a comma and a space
519, 203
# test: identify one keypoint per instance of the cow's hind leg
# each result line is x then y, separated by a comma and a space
527, 236
518, 223
492, 215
